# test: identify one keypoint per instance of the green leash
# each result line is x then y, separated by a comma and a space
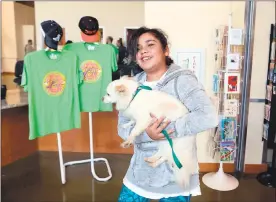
177, 162
165, 133
140, 88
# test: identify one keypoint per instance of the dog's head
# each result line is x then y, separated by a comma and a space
121, 92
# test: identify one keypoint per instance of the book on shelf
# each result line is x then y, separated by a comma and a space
268, 92
267, 112
271, 72
265, 130
273, 50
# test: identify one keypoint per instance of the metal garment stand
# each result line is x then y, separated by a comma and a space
250, 13
91, 160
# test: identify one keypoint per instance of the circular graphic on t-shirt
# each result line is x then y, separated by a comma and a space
92, 71
54, 83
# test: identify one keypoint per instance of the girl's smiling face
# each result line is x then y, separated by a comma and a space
150, 54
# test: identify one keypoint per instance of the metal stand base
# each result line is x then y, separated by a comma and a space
220, 181
268, 178
91, 160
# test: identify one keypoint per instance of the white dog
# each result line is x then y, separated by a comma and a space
138, 108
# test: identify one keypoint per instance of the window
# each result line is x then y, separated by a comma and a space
128, 31
102, 34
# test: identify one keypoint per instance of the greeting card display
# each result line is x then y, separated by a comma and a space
232, 83
233, 61
216, 83
227, 68
227, 151
235, 36
231, 107
228, 130
220, 37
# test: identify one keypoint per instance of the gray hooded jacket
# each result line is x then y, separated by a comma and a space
184, 85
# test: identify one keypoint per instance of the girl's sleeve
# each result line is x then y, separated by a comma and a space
202, 114
25, 74
123, 132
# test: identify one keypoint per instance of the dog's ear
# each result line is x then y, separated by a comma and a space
126, 77
121, 89
131, 78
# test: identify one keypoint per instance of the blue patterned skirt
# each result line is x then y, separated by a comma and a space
127, 195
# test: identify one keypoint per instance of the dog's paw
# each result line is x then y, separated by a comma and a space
153, 164
146, 159
150, 159
125, 125
150, 162
166, 120
126, 144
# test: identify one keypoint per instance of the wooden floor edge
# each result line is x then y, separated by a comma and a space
7, 73
230, 167
203, 167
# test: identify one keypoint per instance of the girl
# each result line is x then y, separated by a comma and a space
149, 48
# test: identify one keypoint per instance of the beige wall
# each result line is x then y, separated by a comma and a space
14, 16
188, 25
24, 15
265, 15
9, 47
192, 25
113, 16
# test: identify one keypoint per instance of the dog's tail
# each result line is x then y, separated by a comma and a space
183, 175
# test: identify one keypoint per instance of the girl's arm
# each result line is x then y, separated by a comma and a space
202, 114
123, 132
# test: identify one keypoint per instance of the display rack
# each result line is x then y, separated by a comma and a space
269, 128
226, 89
91, 160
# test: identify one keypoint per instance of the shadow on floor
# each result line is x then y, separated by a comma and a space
37, 179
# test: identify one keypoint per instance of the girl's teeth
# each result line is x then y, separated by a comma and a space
146, 58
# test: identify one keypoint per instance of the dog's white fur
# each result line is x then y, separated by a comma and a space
160, 104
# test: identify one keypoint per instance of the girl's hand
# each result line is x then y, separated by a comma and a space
155, 128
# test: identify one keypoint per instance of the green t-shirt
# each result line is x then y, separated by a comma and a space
97, 61
52, 86
115, 48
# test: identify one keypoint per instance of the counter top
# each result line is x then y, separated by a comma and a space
24, 102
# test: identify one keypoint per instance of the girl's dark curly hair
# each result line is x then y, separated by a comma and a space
132, 45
